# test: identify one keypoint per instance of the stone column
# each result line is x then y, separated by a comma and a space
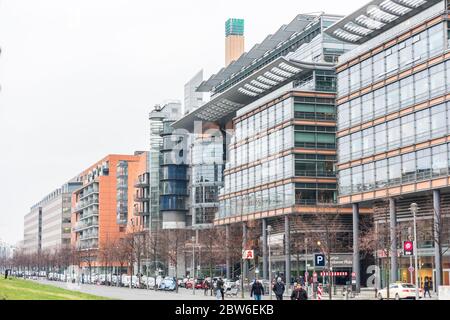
244, 246
356, 260
264, 250
437, 231
393, 231
287, 250
227, 251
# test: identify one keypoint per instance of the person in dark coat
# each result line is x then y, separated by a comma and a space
257, 290
426, 288
299, 293
220, 287
278, 289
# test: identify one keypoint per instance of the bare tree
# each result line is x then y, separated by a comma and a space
327, 232
376, 238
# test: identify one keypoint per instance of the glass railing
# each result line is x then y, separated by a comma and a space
307, 173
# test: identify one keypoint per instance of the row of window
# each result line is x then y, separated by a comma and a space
173, 172
418, 127
315, 137
205, 194
403, 55
173, 203
174, 187
414, 89
207, 152
261, 148
205, 215
314, 165
415, 166
278, 197
268, 118
276, 169
207, 173
314, 112
269, 199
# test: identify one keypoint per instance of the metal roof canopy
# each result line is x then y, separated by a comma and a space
283, 34
375, 18
223, 107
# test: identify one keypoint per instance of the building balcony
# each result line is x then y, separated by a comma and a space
141, 212
141, 183
87, 245
87, 215
82, 225
141, 198
316, 174
80, 206
89, 236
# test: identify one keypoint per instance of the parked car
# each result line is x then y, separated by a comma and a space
189, 283
168, 284
399, 291
135, 283
126, 279
199, 283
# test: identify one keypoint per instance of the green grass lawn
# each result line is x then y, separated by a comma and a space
18, 289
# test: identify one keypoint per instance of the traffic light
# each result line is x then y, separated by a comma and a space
408, 248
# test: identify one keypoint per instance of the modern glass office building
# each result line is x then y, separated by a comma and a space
171, 111
207, 166
393, 128
276, 106
174, 179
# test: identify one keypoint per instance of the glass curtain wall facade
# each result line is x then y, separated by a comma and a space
207, 166
393, 136
173, 179
270, 149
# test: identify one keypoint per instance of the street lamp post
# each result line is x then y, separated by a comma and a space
306, 264
410, 257
269, 230
414, 208
193, 265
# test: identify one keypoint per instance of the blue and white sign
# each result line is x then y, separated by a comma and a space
319, 260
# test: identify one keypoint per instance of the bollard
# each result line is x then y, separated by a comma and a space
319, 293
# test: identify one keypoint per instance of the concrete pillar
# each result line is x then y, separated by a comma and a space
356, 261
244, 246
393, 231
287, 250
227, 251
437, 230
264, 250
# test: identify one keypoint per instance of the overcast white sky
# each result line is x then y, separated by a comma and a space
79, 77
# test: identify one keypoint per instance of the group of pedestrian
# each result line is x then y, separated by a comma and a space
299, 292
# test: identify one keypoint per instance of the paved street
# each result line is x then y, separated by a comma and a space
130, 294
183, 294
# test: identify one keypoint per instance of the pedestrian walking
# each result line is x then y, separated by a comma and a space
278, 289
426, 288
257, 290
206, 286
220, 290
299, 293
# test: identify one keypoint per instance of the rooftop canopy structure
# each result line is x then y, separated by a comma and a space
287, 38
375, 18
222, 107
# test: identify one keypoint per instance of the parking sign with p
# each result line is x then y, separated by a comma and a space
319, 260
